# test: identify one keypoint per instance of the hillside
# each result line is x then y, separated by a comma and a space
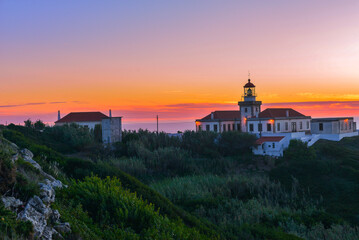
204, 186
142, 213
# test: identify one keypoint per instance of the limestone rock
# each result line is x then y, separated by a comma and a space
47, 192
11, 203
14, 158
27, 155
47, 234
35, 212
55, 216
63, 227
57, 184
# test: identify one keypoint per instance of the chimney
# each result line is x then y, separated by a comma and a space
287, 113
58, 115
110, 113
212, 115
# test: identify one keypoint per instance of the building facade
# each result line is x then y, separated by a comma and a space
275, 127
334, 128
270, 145
278, 120
111, 127
220, 121
85, 119
111, 130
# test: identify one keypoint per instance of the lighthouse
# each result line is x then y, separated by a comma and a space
249, 107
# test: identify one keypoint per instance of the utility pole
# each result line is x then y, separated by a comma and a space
157, 123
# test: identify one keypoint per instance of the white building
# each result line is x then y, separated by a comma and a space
220, 121
270, 145
278, 120
275, 127
334, 128
85, 119
111, 126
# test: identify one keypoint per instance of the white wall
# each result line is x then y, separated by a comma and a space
267, 148
282, 122
219, 125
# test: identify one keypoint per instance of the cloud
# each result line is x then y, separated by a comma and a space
35, 104
22, 105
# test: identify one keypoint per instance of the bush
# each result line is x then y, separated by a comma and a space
110, 205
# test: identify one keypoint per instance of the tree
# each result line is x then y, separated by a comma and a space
98, 133
28, 123
39, 125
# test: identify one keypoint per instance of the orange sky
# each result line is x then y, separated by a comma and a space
178, 59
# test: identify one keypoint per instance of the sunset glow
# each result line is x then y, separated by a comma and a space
178, 59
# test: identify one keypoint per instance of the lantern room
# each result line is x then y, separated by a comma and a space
249, 94
249, 89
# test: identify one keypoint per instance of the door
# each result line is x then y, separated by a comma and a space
294, 126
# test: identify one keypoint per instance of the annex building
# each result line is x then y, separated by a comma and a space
275, 127
111, 127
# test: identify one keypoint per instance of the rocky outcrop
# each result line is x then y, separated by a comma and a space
37, 210
11, 203
28, 157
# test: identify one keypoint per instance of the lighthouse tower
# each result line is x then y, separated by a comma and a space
249, 107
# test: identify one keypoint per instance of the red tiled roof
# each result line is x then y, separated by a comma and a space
82, 117
223, 115
262, 140
279, 112
249, 84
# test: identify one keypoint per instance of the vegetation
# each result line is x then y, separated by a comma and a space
199, 186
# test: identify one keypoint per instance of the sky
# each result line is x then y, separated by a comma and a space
178, 59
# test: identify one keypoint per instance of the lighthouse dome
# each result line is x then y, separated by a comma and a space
249, 84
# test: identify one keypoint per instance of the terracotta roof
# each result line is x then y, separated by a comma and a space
223, 115
82, 117
249, 84
279, 112
262, 140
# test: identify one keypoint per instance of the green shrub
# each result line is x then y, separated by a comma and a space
108, 204
10, 226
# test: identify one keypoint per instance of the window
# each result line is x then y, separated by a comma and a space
300, 125
233, 127
350, 125
215, 127
346, 126
320, 126
260, 128
342, 126
278, 126
273, 145
245, 110
307, 124
199, 128
224, 127
286, 126
269, 127
86, 126
239, 127
251, 127
207, 127
256, 109
229, 127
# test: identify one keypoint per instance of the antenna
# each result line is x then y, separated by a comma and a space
249, 74
157, 123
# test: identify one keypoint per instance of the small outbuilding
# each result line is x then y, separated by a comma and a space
270, 145
334, 128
